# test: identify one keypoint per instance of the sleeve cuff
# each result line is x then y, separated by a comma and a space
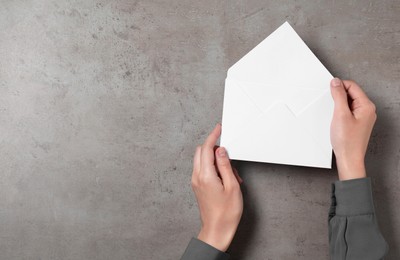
353, 197
199, 250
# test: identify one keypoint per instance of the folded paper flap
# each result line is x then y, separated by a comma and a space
264, 96
282, 57
278, 112
241, 109
280, 135
300, 101
281, 114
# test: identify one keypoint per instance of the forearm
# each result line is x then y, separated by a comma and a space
353, 229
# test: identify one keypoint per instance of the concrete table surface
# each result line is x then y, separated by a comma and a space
102, 104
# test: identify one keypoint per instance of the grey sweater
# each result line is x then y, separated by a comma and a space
353, 230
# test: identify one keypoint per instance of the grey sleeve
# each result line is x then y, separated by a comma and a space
353, 229
198, 250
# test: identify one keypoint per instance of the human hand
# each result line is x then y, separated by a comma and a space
353, 119
218, 194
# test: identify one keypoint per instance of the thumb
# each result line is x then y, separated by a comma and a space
339, 95
224, 167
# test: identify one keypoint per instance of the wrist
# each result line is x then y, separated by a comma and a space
219, 240
350, 169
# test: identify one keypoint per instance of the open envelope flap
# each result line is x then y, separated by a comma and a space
287, 139
281, 59
264, 96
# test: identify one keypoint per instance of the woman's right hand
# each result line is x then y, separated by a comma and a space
353, 119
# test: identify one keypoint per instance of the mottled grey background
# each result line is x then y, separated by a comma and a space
103, 102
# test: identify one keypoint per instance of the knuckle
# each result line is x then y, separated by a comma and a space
195, 183
229, 189
373, 107
233, 190
224, 163
373, 116
204, 180
352, 82
341, 114
235, 186
199, 149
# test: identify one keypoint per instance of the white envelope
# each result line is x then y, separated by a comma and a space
277, 104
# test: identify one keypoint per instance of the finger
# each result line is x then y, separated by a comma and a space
225, 168
235, 171
207, 149
196, 160
339, 96
360, 105
354, 90
196, 167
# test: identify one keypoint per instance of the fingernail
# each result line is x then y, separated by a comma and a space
336, 82
221, 152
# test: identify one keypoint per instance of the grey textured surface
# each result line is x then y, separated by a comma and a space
103, 102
